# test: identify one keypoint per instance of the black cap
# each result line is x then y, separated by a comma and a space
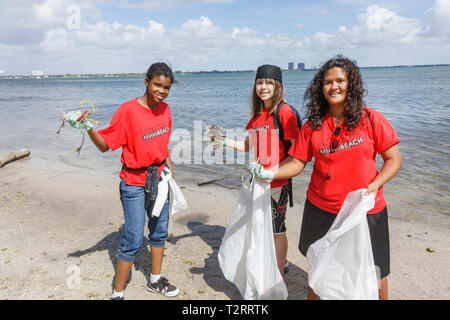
269, 71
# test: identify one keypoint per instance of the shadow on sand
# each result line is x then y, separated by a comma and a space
110, 243
297, 279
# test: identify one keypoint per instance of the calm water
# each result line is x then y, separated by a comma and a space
415, 101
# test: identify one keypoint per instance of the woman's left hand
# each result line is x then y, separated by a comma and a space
392, 163
372, 188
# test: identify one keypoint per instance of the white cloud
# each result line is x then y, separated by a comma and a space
202, 22
376, 28
437, 18
379, 18
25, 22
380, 25
55, 39
380, 36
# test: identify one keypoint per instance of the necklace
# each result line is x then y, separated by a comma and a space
337, 120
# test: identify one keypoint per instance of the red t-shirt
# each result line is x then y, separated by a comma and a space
143, 135
350, 163
268, 147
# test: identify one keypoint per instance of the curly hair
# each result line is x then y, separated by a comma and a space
316, 104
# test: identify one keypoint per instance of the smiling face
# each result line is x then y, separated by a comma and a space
158, 89
335, 85
265, 88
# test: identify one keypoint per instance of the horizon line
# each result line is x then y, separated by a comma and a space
2, 75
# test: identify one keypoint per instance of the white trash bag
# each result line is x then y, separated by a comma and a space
247, 252
177, 200
341, 263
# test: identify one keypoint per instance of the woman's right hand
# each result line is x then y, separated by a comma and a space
259, 172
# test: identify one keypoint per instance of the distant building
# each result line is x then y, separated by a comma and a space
37, 73
290, 66
301, 66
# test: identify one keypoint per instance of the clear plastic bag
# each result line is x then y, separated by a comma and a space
341, 262
247, 253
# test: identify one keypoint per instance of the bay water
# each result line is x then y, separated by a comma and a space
415, 100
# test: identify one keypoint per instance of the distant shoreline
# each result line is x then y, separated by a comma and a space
116, 75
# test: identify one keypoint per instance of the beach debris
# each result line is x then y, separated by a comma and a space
216, 135
217, 179
188, 262
14, 155
430, 249
77, 150
84, 117
170, 238
62, 125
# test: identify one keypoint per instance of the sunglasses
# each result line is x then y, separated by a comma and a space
334, 142
334, 146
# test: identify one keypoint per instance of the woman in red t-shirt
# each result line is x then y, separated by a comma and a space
343, 136
267, 97
141, 127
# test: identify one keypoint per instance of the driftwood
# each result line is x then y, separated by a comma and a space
215, 180
208, 182
12, 156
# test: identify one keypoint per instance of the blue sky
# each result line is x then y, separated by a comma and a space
100, 36
266, 16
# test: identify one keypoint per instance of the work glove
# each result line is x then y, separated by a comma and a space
259, 172
72, 117
224, 141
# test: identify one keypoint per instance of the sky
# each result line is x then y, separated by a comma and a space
116, 36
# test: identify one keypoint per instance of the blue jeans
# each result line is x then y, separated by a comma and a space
133, 203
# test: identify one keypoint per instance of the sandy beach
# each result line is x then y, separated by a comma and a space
59, 233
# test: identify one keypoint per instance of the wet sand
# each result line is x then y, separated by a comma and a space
59, 232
